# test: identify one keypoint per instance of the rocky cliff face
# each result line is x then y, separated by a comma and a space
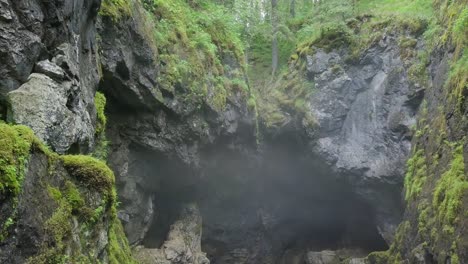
198, 168
365, 111
55, 41
55, 209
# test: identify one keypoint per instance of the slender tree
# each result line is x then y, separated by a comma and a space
274, 42
292, 8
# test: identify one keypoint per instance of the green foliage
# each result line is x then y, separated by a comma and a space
119, 251
416, 174
457, 83
16, 142
289, 94
73, 196
101, 149
100, 104
15, 145
380, 257
73, 202
460, 27
116, 9
418, 8
449, 191
58, 227
92, 172
193, 39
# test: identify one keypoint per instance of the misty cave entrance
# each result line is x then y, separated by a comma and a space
273, 207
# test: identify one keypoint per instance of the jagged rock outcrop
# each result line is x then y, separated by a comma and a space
365, 112
63, 59
183, 242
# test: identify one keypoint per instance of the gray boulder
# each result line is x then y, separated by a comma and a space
42, 104
183, 243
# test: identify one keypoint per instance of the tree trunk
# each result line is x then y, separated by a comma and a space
292, 9
274, 43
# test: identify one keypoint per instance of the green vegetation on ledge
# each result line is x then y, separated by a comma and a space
90, 171
115, 9
197, 48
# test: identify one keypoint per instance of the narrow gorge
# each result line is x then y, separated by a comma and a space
153, 131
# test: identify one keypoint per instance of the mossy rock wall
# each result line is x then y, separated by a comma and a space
436, 183
56, 209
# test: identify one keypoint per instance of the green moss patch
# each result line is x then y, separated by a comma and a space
15, 146
449, 192
119, 251
90, 171
416, 174
116, 9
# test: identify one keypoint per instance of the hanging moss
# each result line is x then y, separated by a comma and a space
100, 104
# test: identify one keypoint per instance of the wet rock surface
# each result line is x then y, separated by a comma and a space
365, 111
